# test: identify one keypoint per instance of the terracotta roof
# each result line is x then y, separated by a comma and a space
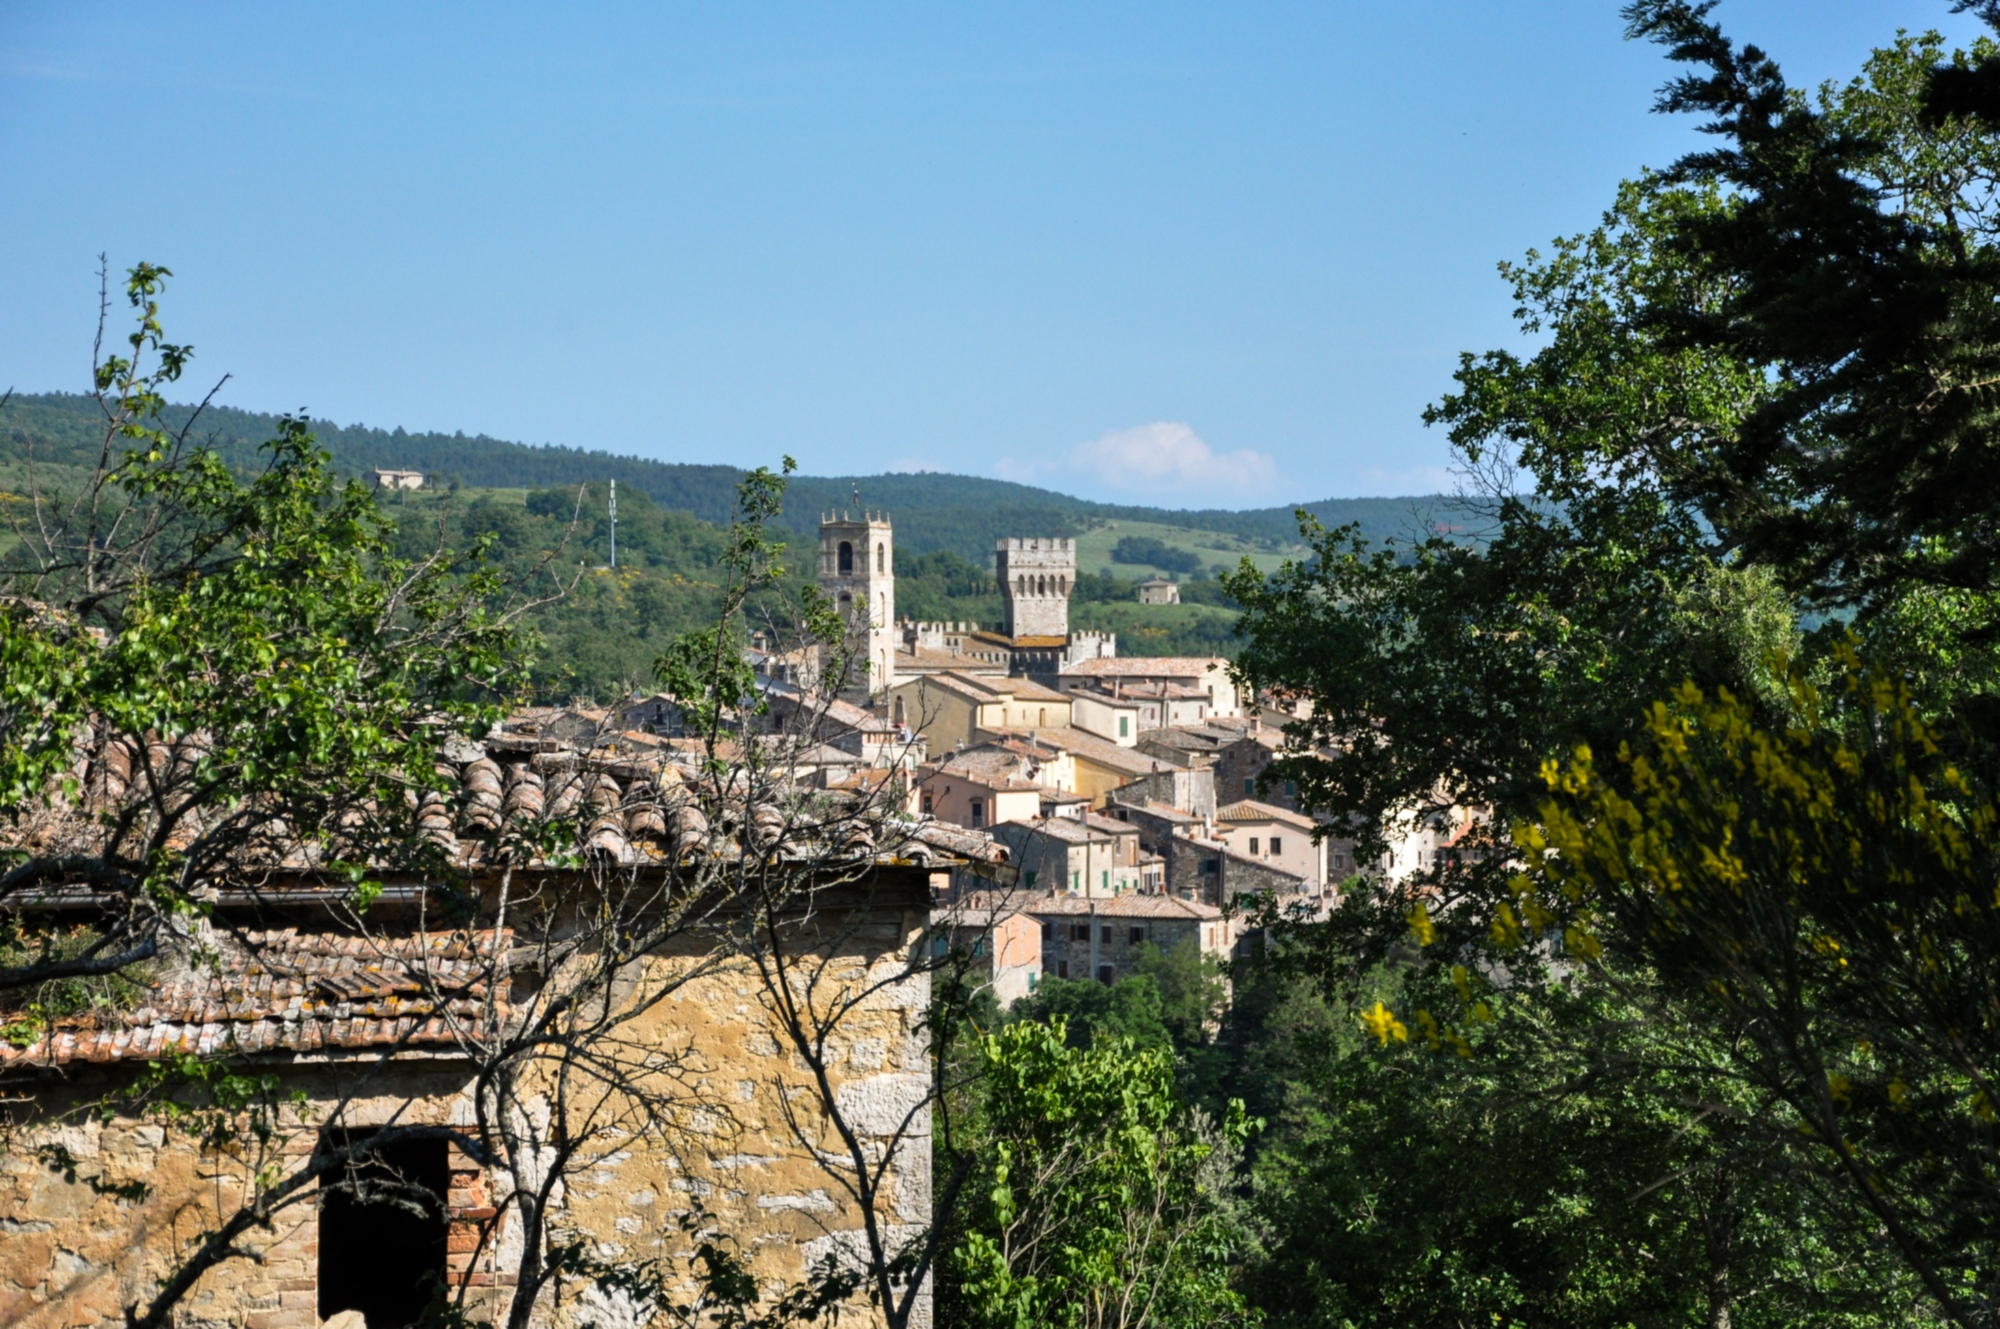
1137, 690
1165, 811
291, 991
1121, 906
987, 688
1089, 747
1249, 809
1067, 829
1109, 825
1026, 689
639, 798
1143, 666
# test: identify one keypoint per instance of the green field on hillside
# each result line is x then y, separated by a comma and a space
1093, 548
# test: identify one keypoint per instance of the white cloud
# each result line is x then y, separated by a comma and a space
1164, 462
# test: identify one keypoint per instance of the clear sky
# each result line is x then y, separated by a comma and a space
1205, 254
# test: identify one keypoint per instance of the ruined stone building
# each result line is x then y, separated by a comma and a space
395, 1019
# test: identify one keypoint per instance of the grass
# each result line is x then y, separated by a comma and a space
1093, 548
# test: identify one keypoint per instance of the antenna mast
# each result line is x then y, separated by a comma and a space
614, 523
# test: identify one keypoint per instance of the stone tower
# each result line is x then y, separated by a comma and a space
1035, 578
857, 570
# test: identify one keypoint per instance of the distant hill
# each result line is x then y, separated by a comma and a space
932, 511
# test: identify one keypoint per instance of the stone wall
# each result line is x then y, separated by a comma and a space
745, 1136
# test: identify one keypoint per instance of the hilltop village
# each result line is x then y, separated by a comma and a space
1130, 795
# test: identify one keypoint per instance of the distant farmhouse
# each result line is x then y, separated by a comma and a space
383, 478
1159, 591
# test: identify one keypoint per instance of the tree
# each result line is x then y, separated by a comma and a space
1857, 277
1830, 891
1095, 1201
227, 670
1538, 1154
1706, 459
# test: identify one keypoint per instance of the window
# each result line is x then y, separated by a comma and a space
1138, 935
1291, 789
1208, 867
979, 947
1043, 712
1249, 785
978, 812
846, 559
1031, 879
1105, 936
1277, 845
1079, 932
930, 805
882, 558
1253, 845
382, 1232
1124, 726
1076, 883
1062, 968
1105, 882
1107, 974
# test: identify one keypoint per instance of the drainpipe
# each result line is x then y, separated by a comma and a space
1093, 939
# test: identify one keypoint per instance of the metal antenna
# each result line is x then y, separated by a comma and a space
614, 523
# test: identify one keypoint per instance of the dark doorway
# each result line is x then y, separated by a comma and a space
382, 1233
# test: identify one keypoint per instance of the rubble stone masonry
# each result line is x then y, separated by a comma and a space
747, 1139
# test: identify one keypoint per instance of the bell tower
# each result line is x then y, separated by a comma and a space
857, 570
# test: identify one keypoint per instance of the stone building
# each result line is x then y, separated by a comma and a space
1159, 591
857, 570
953, 709
1092, 857
1275, 836
1092, 938
1203, 673
380, 1021
1002, 941
1035, 577
384, 478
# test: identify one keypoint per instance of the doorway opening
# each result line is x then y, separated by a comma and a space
382, 1232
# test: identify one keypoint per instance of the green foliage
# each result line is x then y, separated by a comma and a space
1147, 550
1856, 276
1831, 889
1751, 386
1095, 1195
1583, 1164
1129, 1010
30, 1013
245, 656
963, 514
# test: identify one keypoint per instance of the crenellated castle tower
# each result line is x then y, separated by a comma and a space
1035, 577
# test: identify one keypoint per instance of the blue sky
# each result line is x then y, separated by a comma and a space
1196, 255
